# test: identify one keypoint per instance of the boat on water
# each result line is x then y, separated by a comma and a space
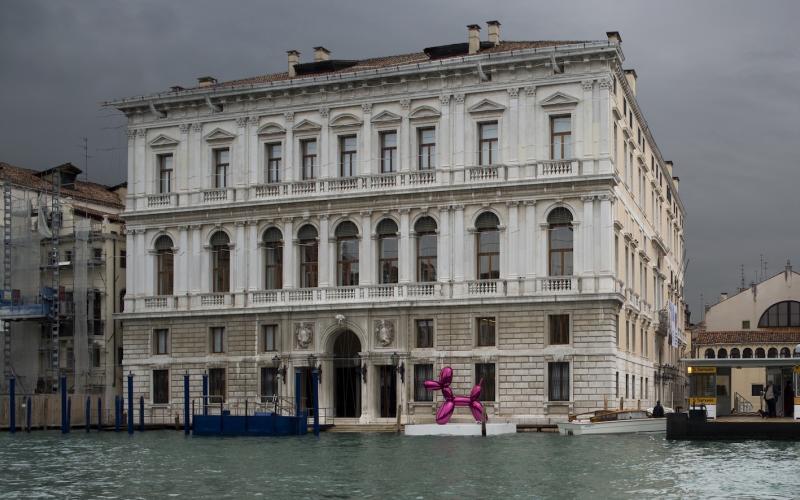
612, 422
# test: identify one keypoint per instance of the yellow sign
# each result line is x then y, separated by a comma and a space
694, 370
797, 400
797, 369
702, 401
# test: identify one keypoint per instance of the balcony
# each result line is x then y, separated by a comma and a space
543, 288
215, 195
357, 184
557, 168
159, 200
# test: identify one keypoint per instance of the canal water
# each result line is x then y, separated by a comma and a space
163, 464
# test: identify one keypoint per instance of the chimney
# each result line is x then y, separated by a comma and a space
669, 167
493, 28
677, 181
723, 296
321, 54
474, 38
630, 75
788, 269
294, 58
206, 81
614, 37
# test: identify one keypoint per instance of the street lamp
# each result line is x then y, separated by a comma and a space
276, 362
401, 368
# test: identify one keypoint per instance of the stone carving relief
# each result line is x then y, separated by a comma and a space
303, 334
384, 332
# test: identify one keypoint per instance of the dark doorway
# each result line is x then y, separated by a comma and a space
347, 375
387, 388
306, 390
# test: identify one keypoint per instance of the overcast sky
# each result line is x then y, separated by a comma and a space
719, 83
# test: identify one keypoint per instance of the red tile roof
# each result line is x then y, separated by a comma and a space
83, 191
783, 335
396, 60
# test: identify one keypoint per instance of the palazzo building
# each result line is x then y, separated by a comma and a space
500, 207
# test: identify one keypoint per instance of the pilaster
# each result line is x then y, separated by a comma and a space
405, 260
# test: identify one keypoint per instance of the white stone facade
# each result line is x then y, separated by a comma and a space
614, 221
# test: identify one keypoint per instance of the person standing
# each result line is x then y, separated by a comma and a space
788, 400
769, 397
658, 410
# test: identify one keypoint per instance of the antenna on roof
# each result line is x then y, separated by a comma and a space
85, 147
741, 274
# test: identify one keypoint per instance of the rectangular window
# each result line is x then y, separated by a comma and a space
308, 148
421, 374
424, 333
559, 328
222, 160
485, 375
746, 325
274, 162
161, 341
426, 138
558, 381
616, 384
560, 137
646, 388
388, 152
627, 395
269, 337
216, 385
269, 384
633, 386
123, 259
160, 387
348, 155
218, 339
486, 334
96, 358
165, 173
487, 138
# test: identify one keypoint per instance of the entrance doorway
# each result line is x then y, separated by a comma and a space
347, 375
306, 390
387, 390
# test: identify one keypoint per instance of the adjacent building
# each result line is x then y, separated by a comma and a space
496, 206
63, 280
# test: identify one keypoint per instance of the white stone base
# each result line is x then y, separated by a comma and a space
459, 429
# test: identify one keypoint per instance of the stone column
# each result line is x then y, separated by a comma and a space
195, 260
405, 261
143, 175
366, 259
365, 165
458, 243
133, 172
587, 230
181, 173
288, 253
444, 133
181, 268
254, 176
239, 260
513, 264
530, 256
324, 252
510, 154
139, 274
603, 123
606, 243
323, 148
458, 145
530, 124
405, 139
197, 171
291, 160
443, 273
240, 160
588, 102
148, 255
253, 261
543, 238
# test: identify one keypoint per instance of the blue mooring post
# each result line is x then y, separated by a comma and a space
64, 428
99, 414
205, 393
29, 412
298, 381
69, 414
88, 413
315, 379
12, 405
130, 403
117, 412
186, 404
141, 413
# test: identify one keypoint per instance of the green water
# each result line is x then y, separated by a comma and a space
162, 464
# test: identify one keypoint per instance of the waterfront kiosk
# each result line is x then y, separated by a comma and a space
725, 417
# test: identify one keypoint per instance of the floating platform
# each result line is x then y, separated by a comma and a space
695, 426
266, 424
459, 429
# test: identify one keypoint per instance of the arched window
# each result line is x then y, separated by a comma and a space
347, 254
782, 314
220, 262
560, 242
165, 265
735, 353
785, 352
425, 228
309, 256
772, 353
273, 259
722, 353
387, 251
747, 353
710, 354
488, 239
760, 352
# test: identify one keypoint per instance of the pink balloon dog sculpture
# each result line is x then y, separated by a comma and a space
451, 401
